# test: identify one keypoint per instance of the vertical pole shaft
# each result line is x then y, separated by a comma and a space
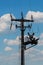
22, 43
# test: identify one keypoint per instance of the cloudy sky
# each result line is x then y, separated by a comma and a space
9, 39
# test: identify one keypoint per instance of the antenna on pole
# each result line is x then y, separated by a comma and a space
22, 15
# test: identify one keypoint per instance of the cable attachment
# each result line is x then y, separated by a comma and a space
31, 40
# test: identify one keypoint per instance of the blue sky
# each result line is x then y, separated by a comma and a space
9, 39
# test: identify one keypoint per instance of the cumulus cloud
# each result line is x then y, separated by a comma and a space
40, 42
37, 16
8, 49
12, 41
41, 35
5, 22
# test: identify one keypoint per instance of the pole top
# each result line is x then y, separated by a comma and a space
22, 19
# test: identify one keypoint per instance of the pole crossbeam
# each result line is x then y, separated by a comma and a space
24, 26
22, 20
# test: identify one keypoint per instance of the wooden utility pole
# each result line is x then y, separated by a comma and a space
22, 27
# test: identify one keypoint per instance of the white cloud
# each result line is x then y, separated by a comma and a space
8, 49
41, 51
3, 26
41, 35
5, 22
37, 16
12, 41
5, 17
40, 42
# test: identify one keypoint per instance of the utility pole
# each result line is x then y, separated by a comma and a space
22, 27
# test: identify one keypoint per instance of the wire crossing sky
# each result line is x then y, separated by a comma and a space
10, 39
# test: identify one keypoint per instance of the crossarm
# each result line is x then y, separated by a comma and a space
20, 20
